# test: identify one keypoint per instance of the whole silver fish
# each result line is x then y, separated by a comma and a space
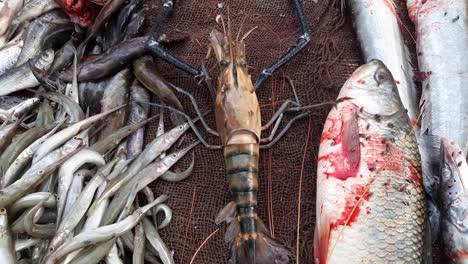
156, 242
47, 31
115, 94
18, 110
21, 77
442, 49
7, 251
378, 30
453, 196
138, 113
10, 54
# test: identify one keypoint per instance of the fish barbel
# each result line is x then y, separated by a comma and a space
371, 206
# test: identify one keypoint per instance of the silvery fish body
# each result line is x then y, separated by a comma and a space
371, 206
9, 55
442, 49
380, 38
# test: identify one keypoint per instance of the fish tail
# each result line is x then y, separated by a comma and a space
250, 242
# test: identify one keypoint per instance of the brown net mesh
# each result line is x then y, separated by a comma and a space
318, 74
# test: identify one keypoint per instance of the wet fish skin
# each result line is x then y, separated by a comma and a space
138, 112
110, 62
34, 176
440, 24
146, 72
73, 109
47, 31
21, 77
454, 201
33, 9
10, 54
19, 143
115, 94
380, 38
115, 28
371, 206
104, 233
107, 11
18, 110
63, 57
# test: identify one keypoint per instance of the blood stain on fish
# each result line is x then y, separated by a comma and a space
352, 207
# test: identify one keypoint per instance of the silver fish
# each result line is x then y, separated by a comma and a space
138, 113
379, 35
47, 31
444, 72
104, 233
21, 77
115, 94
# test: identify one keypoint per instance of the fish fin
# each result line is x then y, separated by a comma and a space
259, 250
226, 214
350, 142
321, 239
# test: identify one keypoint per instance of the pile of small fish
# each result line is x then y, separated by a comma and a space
71, 178
392, 176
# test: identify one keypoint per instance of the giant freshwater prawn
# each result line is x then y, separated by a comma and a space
239, 128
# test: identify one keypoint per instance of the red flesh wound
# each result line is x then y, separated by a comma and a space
81, 12
345, 162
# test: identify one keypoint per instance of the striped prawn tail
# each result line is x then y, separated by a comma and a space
249, 239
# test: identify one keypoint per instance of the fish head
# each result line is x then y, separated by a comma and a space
453, 191
3, 218
45, 60
373, 89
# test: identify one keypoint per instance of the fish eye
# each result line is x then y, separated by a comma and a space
381, 76
223, 63
181, 127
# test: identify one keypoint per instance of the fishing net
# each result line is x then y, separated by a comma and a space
287, 171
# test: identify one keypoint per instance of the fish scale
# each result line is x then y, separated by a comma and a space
371, 205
